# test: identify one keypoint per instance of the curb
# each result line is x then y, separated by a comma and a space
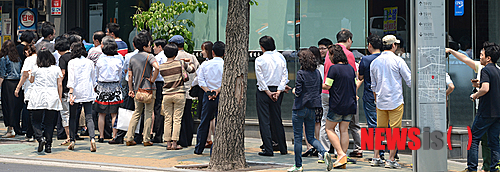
83, 164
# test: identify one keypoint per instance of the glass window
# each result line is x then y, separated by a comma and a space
324, 18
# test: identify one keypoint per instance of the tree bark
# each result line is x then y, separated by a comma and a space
228, 152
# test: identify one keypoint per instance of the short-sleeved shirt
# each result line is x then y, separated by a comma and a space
341, 78
43, 92
122, 47
20, 51
448, 79
63, 64
29, 65
488, 103
136, 65
95, 53
364, 69
45, 43
328, 62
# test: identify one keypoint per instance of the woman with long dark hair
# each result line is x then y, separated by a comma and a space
81, 80
45, 96
10, 72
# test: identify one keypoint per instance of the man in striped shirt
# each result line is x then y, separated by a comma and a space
113, 30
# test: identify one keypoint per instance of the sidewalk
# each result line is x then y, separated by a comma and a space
158, 158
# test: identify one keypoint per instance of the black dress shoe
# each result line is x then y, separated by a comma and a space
116, 141
266, 154
315, 153
84, 133
157, 140
41, 143
308, 152
78, 138
48, 147
101, 140
284, 153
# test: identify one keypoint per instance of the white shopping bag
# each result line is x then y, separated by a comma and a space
124, 116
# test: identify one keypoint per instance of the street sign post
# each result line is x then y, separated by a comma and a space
428, 79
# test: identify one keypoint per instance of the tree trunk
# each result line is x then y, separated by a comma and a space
228, 152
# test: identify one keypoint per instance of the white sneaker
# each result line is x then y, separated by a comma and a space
392, 164
294, 168
376, 162
29, 139
9, 134
328, 161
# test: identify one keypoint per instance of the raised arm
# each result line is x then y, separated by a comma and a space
462, 57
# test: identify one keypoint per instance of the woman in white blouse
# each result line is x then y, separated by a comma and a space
45, 98
24, 83
109, 94
81, 81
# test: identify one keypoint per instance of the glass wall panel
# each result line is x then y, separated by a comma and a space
324, 18
205, 24
274, 18
460, 108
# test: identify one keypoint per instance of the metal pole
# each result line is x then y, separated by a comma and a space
217, 20
413, 56
297, 24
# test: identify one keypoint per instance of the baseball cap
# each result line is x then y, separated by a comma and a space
178, 39
390, 39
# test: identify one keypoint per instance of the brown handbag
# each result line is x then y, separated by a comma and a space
143, 95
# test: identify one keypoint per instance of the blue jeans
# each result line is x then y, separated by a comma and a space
305, 117
370, 113
481, 126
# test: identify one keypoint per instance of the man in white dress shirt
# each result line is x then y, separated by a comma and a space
160, 57
387, 72
272, 77
210, 80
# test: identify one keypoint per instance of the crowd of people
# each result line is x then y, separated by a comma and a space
67, 84
146, 96
326, 107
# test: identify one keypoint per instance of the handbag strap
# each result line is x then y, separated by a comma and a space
144, 70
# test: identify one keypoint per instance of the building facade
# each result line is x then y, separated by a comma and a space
296, 24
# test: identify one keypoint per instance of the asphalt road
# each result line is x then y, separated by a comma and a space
30, 168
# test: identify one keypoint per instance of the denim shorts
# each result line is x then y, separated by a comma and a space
333, 117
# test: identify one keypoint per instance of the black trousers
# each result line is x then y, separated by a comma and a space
12, 105
159, 119
186, 133
61, 133
270, 123
74, 116
43, 122
26, 125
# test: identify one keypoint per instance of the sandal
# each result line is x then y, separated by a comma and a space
169, 146
93, 147
65, 143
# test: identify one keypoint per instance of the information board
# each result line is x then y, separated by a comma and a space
431, 75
